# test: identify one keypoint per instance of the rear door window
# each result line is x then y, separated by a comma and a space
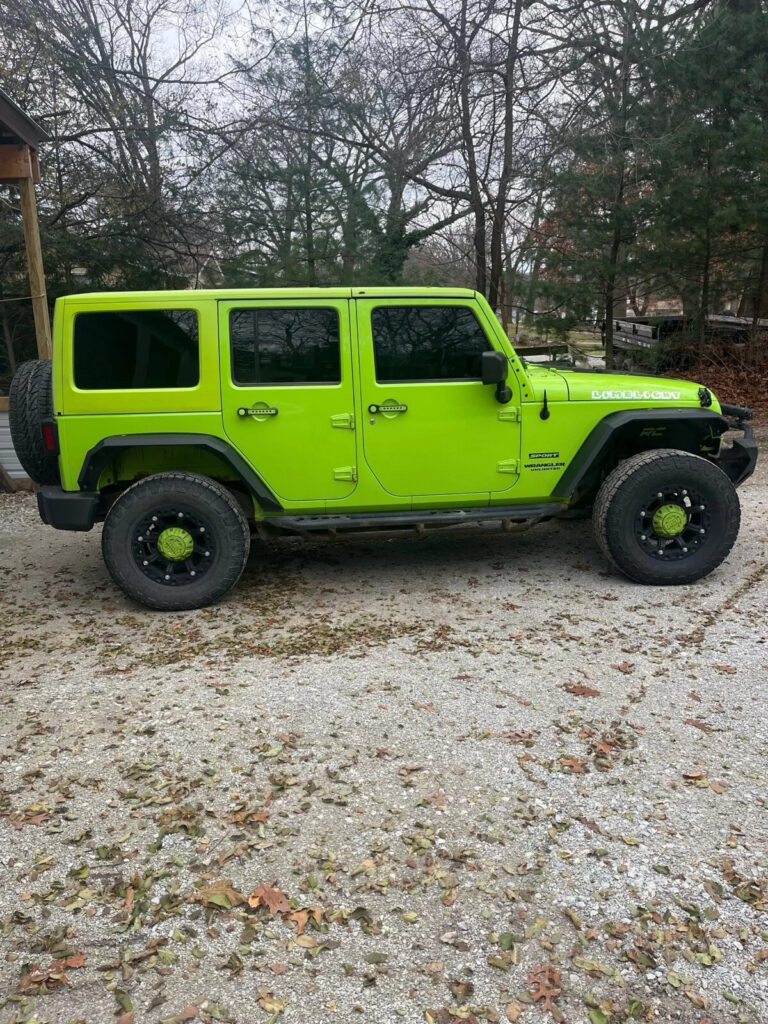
285, 345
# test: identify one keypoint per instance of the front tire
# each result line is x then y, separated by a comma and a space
175, 541
666, 517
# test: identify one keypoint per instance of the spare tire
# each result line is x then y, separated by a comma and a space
31, 402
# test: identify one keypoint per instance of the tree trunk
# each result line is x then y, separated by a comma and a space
608, 315
495, 297
309, 227
613, 270
760, 300
701, 326
468, 142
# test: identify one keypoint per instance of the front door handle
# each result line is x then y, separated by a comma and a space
388, 407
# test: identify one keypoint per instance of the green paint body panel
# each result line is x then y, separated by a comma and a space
318, 448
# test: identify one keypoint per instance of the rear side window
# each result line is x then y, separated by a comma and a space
285, 346
427, 343
136, 348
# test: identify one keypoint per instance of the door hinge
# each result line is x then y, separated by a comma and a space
508, 466
343, 421
509, 414
345, 473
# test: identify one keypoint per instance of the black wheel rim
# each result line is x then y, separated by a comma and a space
673, 523
173, 546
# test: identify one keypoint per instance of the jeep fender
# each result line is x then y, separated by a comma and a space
624, 433
99, 457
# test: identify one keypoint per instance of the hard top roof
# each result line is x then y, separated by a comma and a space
227, 294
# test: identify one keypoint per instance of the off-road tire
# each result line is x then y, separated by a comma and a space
625, 491
31, 402
194, 499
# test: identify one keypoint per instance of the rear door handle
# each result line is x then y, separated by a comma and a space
257, 412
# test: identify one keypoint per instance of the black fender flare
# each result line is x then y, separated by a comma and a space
102, 454
692, 430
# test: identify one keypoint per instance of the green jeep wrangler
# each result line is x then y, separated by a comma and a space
189, 421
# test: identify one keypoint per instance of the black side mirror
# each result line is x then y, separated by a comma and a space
495, 369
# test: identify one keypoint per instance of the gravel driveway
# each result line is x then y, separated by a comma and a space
459, 778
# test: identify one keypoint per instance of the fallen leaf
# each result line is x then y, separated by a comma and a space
269, 1002
268, 896
727, 669
32, 819
546, 982
74, 961
220, 894
696, 998
301, 917
513, 1011
520, 736
697, 724
579, 690
695, 696
625, 666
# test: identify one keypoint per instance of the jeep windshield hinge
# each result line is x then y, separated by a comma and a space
511, 414
508, 466
343, 421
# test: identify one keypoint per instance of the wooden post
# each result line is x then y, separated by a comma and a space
18, 166
35, 265
6, 484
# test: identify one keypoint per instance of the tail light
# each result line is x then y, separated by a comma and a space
51, 437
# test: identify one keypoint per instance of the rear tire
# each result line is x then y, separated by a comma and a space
666, 517
176, 541
31, 402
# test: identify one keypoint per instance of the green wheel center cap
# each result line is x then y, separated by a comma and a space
175, 544
669, 520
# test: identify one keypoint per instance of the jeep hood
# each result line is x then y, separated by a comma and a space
577, 386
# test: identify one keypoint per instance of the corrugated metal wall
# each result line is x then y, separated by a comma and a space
8, 458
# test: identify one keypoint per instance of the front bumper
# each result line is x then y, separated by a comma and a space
67, 510
738, 459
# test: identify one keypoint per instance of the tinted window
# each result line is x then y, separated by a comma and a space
137, 348
285, 346
427, 343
